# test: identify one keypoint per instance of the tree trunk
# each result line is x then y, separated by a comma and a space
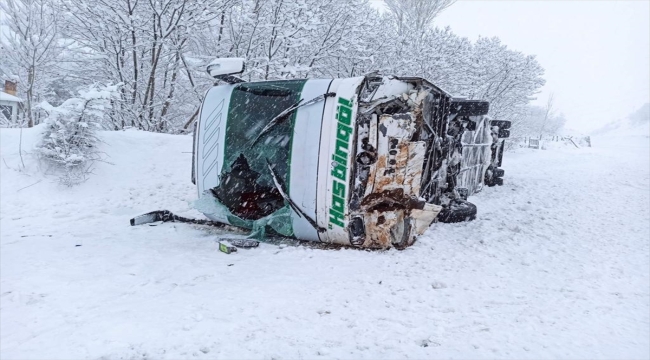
30, 95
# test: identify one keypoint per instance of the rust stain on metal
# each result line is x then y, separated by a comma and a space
415, 165
393, 212
382, 228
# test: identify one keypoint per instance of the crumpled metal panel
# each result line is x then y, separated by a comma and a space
423, 218
394, 214
399, 161
384, 228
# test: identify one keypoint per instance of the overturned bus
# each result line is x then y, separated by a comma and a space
366, 161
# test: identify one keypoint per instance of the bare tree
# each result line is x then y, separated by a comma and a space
144, 45
30, 44
548, 114
415, 14
158, 50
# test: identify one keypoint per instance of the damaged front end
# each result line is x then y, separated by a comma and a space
390, 160
408, 159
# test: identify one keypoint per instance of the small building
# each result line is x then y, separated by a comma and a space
9, 102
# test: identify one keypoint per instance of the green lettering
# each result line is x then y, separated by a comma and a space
336, 219
338, 189
340, 162
344, 115
338, 204
341, 148
338, 171
345, 102
343, 132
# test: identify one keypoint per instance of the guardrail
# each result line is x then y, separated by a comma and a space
536, 142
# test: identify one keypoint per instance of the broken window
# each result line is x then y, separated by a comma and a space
246, 185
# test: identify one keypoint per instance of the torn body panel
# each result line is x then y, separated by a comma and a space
393, 184
389, 186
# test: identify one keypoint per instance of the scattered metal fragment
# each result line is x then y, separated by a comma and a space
226, 247
242, 243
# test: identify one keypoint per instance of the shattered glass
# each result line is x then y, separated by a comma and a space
247, 195
279, 221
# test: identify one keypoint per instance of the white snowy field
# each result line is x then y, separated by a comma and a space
555, 266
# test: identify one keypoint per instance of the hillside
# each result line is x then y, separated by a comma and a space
635, 124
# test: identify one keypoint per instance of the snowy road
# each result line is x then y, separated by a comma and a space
555, 266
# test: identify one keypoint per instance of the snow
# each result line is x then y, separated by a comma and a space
635, 124
555, 266
8, 97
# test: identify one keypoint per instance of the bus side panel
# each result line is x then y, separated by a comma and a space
336, 160
210, 138
304, 159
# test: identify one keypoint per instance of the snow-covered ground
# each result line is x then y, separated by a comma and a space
555, 266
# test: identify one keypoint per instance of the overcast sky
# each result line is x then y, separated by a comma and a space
595, 53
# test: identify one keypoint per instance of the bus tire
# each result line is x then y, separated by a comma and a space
458, 211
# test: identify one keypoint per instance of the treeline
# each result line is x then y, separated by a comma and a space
157, 50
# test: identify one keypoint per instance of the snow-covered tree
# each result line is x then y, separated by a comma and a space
159, 49
143, 45
507, 79
69, 146
30, 46
537, 122
415, 16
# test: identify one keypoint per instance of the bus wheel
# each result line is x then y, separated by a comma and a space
457, 211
